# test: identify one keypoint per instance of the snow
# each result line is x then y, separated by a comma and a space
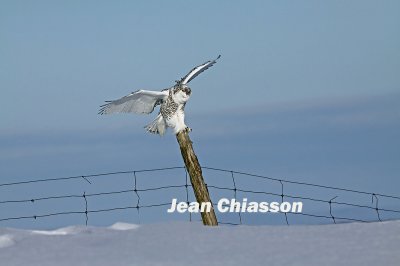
184, 243
123, 226
71, 230
6, 241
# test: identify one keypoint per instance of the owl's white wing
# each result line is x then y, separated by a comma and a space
197, 70
140, 102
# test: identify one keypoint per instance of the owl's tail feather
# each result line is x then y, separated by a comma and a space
158, 126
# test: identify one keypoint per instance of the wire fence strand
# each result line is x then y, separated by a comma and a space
232, 186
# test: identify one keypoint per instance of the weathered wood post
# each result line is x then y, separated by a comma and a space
196, 177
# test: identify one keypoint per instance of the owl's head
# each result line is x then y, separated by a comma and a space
181, 94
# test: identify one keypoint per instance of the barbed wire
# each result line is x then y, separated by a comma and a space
304, 183
87, 176
234, 188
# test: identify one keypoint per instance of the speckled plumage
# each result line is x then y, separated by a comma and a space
168, 108
172, 103
172, 111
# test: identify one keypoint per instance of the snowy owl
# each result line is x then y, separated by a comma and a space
172, 101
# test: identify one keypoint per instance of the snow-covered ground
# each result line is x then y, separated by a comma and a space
184, 243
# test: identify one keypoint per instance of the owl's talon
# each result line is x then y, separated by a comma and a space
188, 129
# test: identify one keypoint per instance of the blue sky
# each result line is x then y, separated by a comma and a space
304, 89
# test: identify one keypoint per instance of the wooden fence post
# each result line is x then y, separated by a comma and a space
196, 177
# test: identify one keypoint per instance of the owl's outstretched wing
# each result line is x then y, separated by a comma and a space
140, 102
197, 70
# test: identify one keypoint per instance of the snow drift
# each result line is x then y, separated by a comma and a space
184, 243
